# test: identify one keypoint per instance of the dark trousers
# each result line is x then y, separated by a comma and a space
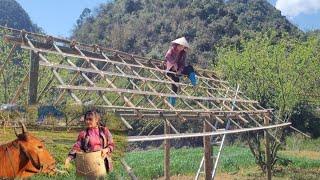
186, 71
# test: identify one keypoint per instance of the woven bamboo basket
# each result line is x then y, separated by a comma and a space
90, 164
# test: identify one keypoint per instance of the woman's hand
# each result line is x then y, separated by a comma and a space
67, 163
105, 152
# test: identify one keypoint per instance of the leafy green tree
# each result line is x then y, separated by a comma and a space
278, 71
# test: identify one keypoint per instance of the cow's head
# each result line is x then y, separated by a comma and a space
39, 159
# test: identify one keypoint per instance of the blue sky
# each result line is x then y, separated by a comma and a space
57, 17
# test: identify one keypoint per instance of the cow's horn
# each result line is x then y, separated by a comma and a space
24, 129
15, 131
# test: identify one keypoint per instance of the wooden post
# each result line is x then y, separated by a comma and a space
128, 169
267, 145
33, 77
166, 152
208, 163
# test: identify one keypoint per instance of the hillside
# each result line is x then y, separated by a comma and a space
146, 27
14, 16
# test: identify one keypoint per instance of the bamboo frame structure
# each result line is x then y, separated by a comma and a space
135, 88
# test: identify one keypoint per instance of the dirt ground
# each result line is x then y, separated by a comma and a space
306, 154
220, 176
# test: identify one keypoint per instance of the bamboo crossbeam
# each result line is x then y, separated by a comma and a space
54, 71
219, 120
155, 128
176, 83
12, 50
166, 85
83, 75
194, 117
128, 169
216, 92
231, 109
19, 89
35, 34
235, 123
173, 113
125, 122
189, 135
127, 101
124, 75
207, 92
65, 41
145, 127
120, 90
172, 127
46, 87
194, 111
209, 123
137, 74
197, 102
258, 124
167, 103
105, 60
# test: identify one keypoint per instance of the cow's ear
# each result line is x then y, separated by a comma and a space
33, 157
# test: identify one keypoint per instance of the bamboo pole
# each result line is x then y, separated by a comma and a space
189, 135
19, 89
267, 149
166, 152
33, 77
56, 74
104, 60
128, 169
2, 67
86, 46
208, 163
154, 93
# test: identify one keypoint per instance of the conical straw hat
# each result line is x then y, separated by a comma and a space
182, 41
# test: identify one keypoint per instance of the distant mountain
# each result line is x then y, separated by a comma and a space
146, 27
14, 16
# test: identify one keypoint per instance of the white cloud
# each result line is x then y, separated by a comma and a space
293, 8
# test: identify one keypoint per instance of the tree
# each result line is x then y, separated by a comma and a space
278, 71
82, 18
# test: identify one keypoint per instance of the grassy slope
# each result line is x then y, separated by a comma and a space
236, 160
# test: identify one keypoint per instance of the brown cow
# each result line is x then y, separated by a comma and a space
25, 157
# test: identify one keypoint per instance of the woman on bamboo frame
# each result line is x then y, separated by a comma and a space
175, 61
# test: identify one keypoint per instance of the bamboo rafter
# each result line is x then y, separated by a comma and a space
134, 87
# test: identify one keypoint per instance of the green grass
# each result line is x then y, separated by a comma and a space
149, 164
299, 142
